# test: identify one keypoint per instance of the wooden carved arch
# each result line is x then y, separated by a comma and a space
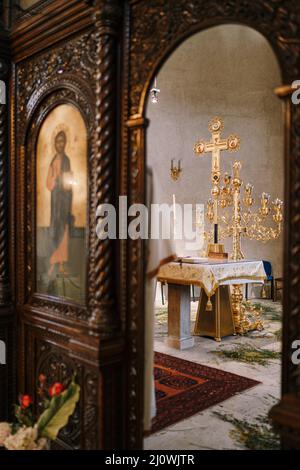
40, 104
77, 67
153, 29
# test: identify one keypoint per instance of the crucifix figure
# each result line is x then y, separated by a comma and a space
215, 146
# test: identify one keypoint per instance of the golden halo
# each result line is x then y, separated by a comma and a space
57, 130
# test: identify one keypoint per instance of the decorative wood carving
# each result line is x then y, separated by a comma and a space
91, 419
4, 117
19, 12
44, 83
84, 70
291, 383
135, 304
8, 371
7, 322
101, 281
286, 414
158, 26
58, 336
69, 92
81, 431
71, 63
46, 24
64, 75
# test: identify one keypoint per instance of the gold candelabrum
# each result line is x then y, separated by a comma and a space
244, 222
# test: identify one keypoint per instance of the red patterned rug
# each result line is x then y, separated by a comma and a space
184, 388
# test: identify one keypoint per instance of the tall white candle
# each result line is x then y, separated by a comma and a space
174, 209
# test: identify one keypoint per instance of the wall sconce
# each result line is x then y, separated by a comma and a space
175, 171
154, 92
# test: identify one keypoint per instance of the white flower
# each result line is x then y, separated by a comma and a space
5, 431
25, 439
42, 444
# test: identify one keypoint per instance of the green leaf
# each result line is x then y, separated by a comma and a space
57, 415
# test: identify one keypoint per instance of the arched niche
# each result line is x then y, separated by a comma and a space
207, 76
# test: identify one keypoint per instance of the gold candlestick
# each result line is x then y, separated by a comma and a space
237, 228
248, 223
251, 225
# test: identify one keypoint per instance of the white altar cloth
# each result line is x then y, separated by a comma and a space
210, 274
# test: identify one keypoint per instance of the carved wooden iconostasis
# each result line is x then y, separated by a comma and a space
7, 318
98, 60
65, 313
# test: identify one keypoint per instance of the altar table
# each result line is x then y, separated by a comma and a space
214, 278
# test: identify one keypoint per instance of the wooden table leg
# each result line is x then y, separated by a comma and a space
179, 317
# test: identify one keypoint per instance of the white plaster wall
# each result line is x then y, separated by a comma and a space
228, 71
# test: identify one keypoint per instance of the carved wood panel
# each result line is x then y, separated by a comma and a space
70, 71
5, 294
62, 75
291, 320
158, 26
58, 336
52, 358
66, 75
7, 320
8, 371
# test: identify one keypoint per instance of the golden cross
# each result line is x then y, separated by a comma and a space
215, 146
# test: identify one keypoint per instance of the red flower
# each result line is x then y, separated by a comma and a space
25, 401
56, 389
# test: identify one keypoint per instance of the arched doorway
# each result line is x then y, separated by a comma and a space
207, 75
155, 30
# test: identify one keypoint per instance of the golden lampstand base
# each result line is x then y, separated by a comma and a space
216, 251
246, 318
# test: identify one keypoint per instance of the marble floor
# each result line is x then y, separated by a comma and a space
206, 430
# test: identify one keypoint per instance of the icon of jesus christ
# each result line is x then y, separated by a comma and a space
59, 182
